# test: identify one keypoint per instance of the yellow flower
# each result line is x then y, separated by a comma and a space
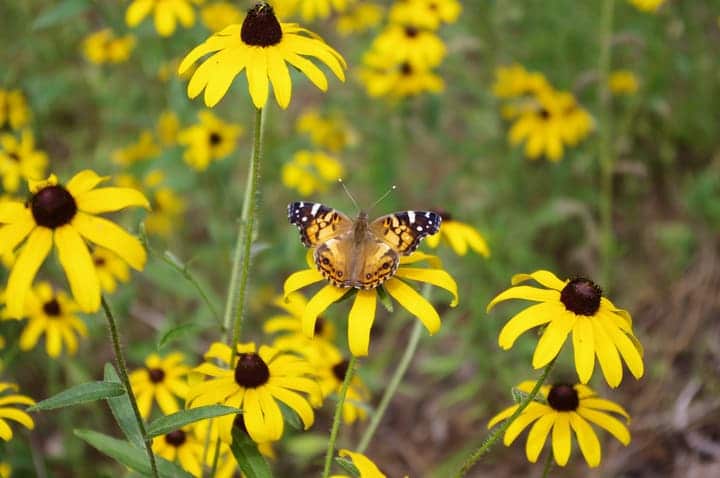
358, 18
218, 15
168, 126
329, 132
20, 160
362, 313
289, 324
262, 46
144, 149
577, 306
12, 413
14, 110
5, 470
167, 14
311, 171
110, 269
650, 6
311, 10
364, 465
66, 216
460, 236
425, 13
397, 80
211, 139
255, 382
103, 46
514, 80
51, 313
184, 446
569, 407
408, 43
162, 380
623, 82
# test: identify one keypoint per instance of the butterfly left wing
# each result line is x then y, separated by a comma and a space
316, 222
404, 230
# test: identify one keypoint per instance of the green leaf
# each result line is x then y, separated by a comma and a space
83, 393
251, 462
121, 409
128, 455
348, 466
59, 13
175, 421
290, 417
176, 332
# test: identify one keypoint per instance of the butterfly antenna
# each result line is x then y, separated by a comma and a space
387, 193
347, 191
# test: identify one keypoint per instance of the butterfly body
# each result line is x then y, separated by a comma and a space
359, 253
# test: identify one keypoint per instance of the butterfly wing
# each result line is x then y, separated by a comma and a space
317, 223
404, 230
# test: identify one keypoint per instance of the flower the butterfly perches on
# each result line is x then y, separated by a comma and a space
362, 312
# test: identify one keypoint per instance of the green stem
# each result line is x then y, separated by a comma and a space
548, 463
122, 366
337, 417
500, 430
606, 154
237, 289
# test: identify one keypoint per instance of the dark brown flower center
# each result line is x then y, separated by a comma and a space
411, 32
176, 438
53, 206
563, 398
340, 370
261, 27
14, 156
544, 114
52, 308
581, 296
99, 261
406, 69
251, 371
157, 375
214, 139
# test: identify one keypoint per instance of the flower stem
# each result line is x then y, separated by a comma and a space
122, 366
548, 463
500, 430
337, 417
606, 154
237, 289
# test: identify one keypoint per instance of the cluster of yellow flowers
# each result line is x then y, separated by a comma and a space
402, 58
103, 46
546, 119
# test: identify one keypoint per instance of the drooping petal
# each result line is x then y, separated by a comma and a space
31, 334
300, 279
627, 349
561, 439
257, 76
502, 416
537, 436
436, 277
360, 320
607, 355
280, 78
476, 241
219, 78
110, 200
79, 268
552, 339
527, 293
364, 465
607, 422
530, 414
220, 40
525, 320
415, 303
31, 257
13, 234
603, 404
587, 440
584, 348
297, 403
542, 277
317, 305
314, 74
168, 403
17, 415
109, 235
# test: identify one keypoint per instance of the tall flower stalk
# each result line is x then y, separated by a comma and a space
337, 417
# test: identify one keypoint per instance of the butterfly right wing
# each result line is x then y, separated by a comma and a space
317, 223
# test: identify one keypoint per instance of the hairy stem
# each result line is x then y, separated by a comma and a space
337, 417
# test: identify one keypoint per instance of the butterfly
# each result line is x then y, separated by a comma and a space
359, 253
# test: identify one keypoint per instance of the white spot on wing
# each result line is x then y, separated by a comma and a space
315, 208
411, 216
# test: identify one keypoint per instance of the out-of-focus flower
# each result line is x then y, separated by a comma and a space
425, 13
167, 206
364, 465
103, 46
5, 470
19, 160
145, 148
263, 47
210, 139
408, 43
311, 10
14, 110
397, 81
328, 132
162, 380
460, 236
311, 171
167, 13
289, 324
358, 18
185, 447
13, 413
623, 82
110, 269
168, 127
219, 15
650, 6
514, 80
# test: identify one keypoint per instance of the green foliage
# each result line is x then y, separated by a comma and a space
249, 458
79, 394
122, 411
175, 421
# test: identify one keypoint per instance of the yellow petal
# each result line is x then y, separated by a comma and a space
300, 279
83, 182
476, 241
553, 338
607, 355
584, 348
13, 234
31, 334
110, 200
12, 212
415, 303
257, 76
79, 268
111, 236
433, 241
544, 278
627, 349
31, 257
297, 403
17, 415
419, 256
533, 316
53, 340
280, 78
561, 442
502, 416
530, 414
537, 436
436, 277
527, 293
364, 465
220, 72
314, 74
603, 404
220, 351
587, 440
360, 320
607, 422
137, 11
457, 241
35, 185
317, 305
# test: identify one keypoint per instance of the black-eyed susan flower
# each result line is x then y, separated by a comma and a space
362, 312
574, 306
567, 407
309, 172
167, 13
51, 313
19, 160
64, 217
650, 6
167, 206
103, 46
210, 139
365, 466
623, 82
217, 15
512, 81
8, 396
263, 47
425, 13
256, 380
162, 380
110, 269
358, 18
14, 110
289, 323
399, 43
330, 132
145, 148
168, 127
185, 447
311, 10
460, 236
397, 80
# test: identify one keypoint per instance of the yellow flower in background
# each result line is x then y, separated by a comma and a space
5, 470
185, 447
145, 148
103, 46
397, 81
168, 127
578, 306
364, 465
362, 312
309, 172
210, 139
459, 236
514, 80
14, 110
13, 413
167, 206
168, 69
329, 132
163, 380
623, 82
311, 10
255, 381
569, 407
408, 43
64, 217
289, 324
425, 13
19, 160
359, 18
217, 15
166, 14
110, 269
650, 6
262, 46
51, 313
